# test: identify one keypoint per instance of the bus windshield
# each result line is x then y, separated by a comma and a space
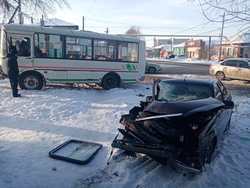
3, 44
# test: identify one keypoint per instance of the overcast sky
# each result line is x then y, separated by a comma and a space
153, 16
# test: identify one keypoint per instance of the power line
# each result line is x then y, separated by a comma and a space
193, 27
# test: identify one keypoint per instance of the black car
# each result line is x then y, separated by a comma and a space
182, 123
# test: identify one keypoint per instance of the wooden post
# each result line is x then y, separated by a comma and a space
83, 22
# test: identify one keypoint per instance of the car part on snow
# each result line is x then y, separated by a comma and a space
158, 116
75, 151
183, 133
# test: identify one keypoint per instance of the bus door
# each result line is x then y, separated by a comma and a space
22, 42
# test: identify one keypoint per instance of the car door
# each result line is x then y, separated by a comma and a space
226, 112
244, 71
231, 69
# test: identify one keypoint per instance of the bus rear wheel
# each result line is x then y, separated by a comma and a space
31, 81
110, 81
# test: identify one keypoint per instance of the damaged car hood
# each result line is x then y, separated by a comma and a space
185, 108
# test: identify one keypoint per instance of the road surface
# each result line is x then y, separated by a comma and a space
168, 67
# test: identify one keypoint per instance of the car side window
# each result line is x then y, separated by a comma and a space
243, 64
230, 63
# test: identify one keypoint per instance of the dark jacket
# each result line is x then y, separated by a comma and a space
12, 66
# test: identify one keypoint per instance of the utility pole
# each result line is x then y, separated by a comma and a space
221, 36
107, 30
209, 48
172, 44
42, 21
83, 20
20, 12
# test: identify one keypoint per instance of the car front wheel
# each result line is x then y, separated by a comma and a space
152, 70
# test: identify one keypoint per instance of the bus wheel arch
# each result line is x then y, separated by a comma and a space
111, 80
31, 80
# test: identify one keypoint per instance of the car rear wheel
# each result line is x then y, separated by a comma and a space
152, 70
31, 81
220, 75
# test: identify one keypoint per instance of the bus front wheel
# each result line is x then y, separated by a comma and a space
110, 81
31, 81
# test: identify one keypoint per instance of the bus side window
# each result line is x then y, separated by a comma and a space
78, 48
48, 46
24, 47
128, 51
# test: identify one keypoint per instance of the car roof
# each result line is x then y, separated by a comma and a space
208, 82
241, 59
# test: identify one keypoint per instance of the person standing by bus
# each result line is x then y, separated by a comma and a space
13, 71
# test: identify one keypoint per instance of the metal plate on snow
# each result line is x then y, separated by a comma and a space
76, 151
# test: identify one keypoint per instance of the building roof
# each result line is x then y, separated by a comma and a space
163, 46
181, 45
241, 38
57, 22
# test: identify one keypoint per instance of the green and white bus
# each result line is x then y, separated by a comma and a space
50, 55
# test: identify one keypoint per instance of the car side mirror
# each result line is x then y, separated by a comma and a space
229, 104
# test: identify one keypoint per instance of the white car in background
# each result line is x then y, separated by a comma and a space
232, 68
152, 68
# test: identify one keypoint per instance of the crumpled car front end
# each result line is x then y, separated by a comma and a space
170, 131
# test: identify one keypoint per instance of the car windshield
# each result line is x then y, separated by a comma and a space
171, 91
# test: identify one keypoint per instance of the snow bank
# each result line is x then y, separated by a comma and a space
39, 121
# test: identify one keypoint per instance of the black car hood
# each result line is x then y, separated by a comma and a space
185, 108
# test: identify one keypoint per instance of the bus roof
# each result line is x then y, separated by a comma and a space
40, 29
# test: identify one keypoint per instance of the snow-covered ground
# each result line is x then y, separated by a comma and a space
33, 125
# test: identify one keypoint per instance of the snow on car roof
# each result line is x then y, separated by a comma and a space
237, 58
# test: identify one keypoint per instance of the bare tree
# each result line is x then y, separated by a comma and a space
235, 10
133, 30
30, 8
